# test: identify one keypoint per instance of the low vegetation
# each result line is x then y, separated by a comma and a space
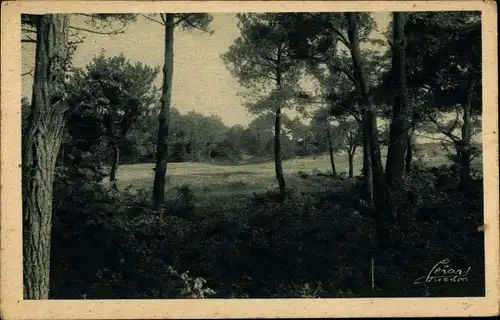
222, 235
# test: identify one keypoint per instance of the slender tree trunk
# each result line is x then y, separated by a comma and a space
400, 124
277, 156
409, 154
40, 148
330, 146
114, 165
381, 190
351, 163
465, 154
164, 115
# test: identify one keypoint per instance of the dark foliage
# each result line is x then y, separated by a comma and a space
109, 244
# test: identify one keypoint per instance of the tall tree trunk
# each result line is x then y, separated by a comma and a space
465, 153
409, 154
164, 115
330, 146
114, 165
351, 164
277, 156
40, 149
367, 165
381, 190
400, 124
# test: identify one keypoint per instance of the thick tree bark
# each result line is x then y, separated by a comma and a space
330, 146
277, 156
41, 143
164, 115
114, 165
400, 124
381, 190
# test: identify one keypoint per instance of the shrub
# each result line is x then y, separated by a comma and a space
110, 244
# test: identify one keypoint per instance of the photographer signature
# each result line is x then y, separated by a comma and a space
443, 273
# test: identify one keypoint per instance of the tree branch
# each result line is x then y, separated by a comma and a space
176, 23
352, 113
344, 71
433, 138
86, 15
27, 73
118, 31
342, 38
28, 30
448, 132
154, 20
195, 26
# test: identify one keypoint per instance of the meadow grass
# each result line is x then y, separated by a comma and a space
214, 184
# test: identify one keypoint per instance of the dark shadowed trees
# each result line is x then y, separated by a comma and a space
352, 132
447, 75
381, 191
116, 94
401, 111
323, 118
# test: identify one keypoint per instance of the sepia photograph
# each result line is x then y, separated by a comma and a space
213, 155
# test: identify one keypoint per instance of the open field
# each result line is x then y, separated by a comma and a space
228, 184
215, 184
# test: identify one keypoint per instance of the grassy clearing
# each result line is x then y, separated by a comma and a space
213, 183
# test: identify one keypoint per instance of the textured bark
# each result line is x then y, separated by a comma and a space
41, 143
381, 190
330, 147
400, 124
164, 115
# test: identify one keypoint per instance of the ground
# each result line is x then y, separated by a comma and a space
215, 184
212, 181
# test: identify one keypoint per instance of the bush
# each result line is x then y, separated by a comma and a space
112, 245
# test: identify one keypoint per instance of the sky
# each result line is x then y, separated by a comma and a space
201, 81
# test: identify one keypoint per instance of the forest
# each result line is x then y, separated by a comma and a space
360, 169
